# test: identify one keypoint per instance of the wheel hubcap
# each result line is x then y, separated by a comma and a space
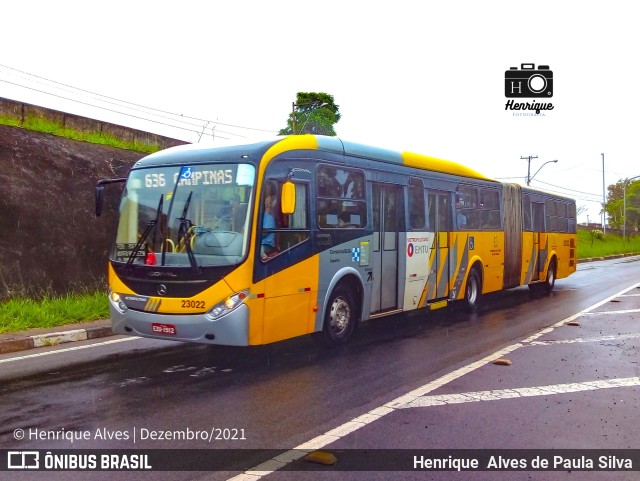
472, 292
339, 315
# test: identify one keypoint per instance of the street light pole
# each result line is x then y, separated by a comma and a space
530, 178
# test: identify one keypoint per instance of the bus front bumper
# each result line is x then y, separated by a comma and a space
231, 329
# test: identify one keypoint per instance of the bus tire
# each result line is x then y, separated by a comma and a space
550, 281
340, 318
473, 291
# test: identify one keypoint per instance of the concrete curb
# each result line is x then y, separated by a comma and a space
25, 342
605, 258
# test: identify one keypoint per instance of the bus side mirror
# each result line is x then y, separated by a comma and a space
288, 198
100, 192
99, 199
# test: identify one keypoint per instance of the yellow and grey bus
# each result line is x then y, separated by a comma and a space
254, 244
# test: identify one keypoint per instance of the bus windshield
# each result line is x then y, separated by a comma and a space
194, 215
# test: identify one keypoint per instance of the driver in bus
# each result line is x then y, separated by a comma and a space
268, 243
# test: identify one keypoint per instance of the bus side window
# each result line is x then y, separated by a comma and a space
444, 214
416, 204
526, 213
295, 227
268, 241
288, 230
341, 194
431, 211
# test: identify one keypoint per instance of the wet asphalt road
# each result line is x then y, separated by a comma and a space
283, 395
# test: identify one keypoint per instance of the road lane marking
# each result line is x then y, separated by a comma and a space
274, 464
620, 337
439, 400
604, 313
68, 349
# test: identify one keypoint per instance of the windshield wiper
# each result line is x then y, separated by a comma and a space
147, 230
184, 233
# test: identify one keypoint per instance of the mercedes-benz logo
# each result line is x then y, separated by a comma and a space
162, 290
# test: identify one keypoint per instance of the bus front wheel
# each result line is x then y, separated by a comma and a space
339, 320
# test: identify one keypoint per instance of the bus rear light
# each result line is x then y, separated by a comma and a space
228, 305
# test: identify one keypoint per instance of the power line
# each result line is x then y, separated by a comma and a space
104, 108
120, 103
131, 103
180, 117
564, 188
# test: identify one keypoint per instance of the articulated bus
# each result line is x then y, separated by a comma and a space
307, 234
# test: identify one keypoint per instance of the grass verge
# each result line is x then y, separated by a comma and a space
609, 245
38, 124
22, 313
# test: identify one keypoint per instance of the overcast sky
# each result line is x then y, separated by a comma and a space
420, 76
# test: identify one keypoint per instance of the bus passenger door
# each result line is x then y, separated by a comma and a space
538, 230
440, 220
387, 220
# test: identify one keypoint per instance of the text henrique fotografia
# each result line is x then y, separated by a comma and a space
528, 82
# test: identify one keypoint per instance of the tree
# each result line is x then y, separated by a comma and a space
614, 207
312, 113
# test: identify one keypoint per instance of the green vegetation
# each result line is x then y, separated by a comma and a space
22, 313
312, 113
55, 128
597, 244
623, 204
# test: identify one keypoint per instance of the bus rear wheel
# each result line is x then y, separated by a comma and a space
546, 286
550, 281
340, 319
472, 291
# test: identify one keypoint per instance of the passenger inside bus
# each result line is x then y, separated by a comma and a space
461, 218
328, 185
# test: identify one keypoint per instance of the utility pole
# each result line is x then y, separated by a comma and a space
529, 166
295, 107
604, 201
293, 118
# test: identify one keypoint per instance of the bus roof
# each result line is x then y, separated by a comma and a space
197, 153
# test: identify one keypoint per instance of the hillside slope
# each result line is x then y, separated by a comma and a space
50, 240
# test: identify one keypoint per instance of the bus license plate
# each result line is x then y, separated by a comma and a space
166, 329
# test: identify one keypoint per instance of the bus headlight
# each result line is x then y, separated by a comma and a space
229, 304
117, 302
